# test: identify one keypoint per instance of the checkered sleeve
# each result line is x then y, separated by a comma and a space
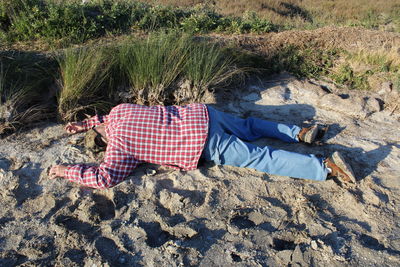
94, 121
117, 165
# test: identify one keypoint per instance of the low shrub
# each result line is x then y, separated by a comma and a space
205, 20
74, 22
159, 17
302, 62
345, 75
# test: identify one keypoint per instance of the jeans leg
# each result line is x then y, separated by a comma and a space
224, 146
235, 152
251, 129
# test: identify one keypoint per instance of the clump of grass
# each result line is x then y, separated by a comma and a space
207, 20
4, 20
381, 60
302, 62
83, 73
152, 65
171, 68
22, 98
365, 69
345, 75
208, 67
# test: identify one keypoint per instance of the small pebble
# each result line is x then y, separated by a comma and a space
314, 245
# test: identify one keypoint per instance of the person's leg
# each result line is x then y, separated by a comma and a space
251, 129
230, 150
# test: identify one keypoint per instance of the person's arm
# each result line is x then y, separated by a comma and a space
94, 121
116, 166
83, 126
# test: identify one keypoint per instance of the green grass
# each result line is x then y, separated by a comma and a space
24, 83
365, 69
208, 67
345, 75
307, 62
153, 69
158, 66
83, 72
153, 64
164, 68
64, 23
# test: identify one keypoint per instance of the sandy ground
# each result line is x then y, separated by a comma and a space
215, 216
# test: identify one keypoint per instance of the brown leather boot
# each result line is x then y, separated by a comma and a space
308, 135
340, 169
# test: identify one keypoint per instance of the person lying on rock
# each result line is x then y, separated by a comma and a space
178, 136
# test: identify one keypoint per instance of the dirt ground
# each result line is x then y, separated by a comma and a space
215, 215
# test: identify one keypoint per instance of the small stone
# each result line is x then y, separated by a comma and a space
373, 105
18, 163
183, 231
349, 106
76, 140
232, 230
386, 88
178, 243
257, 217
314, 245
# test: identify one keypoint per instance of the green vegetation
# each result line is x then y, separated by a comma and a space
303, 62
23, 99
71, 22
152, 65
61, 23
208, 67
345, 75
159, 66
365, 70
308, 14
83, 73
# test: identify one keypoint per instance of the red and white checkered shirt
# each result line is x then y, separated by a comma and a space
167, 135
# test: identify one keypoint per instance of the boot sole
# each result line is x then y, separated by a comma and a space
341, 163
311, 135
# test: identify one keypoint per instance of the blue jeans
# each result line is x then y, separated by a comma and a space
226, 146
